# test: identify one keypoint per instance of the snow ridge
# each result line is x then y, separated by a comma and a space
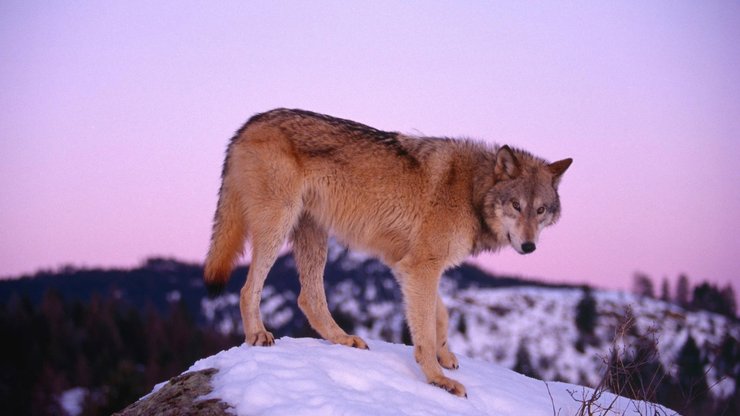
308, 376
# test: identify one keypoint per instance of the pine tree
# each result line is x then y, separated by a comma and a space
643, 285
21, 354
586, 313
665, 290
523, 364
691, 377
728, 298
682, 291
729, 356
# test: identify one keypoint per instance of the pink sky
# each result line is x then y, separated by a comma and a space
115, 117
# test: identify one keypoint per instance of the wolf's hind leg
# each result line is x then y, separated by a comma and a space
310, 250
445, 357
268, 236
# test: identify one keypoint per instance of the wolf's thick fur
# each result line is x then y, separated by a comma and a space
419, 204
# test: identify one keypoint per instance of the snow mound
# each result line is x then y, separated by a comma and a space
313, 377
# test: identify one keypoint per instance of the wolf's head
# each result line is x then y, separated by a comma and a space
524, 198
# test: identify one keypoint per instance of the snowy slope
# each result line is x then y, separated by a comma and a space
542, 320
312, 377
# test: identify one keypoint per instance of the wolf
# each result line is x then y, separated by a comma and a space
419, 204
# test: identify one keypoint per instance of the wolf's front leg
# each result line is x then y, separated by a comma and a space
420, 293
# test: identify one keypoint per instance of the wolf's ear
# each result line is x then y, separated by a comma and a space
506, 163
558, 169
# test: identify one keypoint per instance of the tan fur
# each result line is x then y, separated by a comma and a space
421, 205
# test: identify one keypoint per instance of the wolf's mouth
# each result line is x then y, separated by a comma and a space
508, 236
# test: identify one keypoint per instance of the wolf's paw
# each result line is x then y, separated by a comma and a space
450, 385
447, 359
261, 338
351, 341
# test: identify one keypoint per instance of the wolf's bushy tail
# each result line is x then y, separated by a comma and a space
227, 240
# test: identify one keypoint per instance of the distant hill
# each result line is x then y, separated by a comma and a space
160, 280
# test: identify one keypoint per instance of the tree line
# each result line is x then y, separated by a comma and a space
703, 296
114, 351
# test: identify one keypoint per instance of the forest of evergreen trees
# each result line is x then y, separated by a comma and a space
115, 351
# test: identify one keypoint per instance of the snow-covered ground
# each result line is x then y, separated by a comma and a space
72, 400
313, 377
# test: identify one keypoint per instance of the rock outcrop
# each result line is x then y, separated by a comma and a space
180, 396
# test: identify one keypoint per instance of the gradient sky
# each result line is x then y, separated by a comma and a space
115, 117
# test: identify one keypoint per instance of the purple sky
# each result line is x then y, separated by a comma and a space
115, 117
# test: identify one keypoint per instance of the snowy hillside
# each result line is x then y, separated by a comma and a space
312, 377
500, 322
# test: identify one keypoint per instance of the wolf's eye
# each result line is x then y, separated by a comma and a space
516, 206
540, 210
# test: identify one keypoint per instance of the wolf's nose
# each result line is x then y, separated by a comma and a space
528, 247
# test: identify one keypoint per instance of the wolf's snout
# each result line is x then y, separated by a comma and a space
528, 247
